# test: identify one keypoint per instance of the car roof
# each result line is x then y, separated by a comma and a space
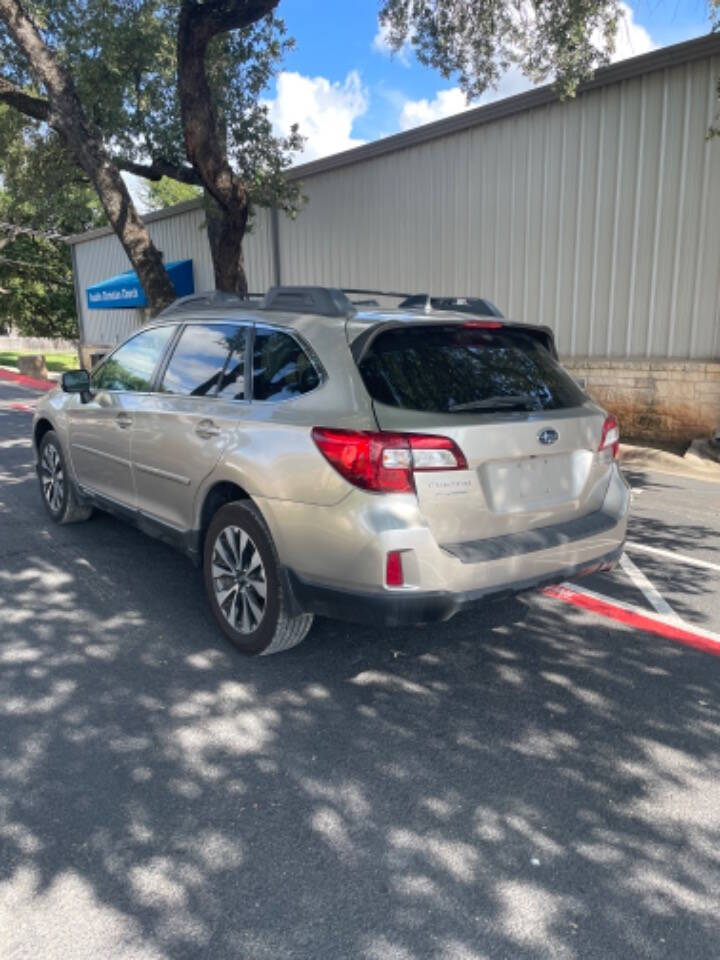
333, 310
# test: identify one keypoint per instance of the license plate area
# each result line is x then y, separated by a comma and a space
530, 483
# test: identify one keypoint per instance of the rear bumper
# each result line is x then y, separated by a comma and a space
396, 608
335, 557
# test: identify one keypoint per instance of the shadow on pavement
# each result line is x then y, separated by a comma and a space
519, 783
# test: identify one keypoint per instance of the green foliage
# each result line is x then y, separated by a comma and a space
477, 42
36, 289
42, 189
42, 186
122, 56
158, 194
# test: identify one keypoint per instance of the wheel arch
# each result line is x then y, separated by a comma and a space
42, 427
220, 493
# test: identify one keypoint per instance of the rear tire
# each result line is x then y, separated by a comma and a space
244, 585
56, 486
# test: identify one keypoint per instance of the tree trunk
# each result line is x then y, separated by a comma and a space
226, 229
66, 116
227, 202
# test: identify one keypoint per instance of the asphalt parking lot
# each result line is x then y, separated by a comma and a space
538, 780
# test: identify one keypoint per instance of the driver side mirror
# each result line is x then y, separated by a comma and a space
76, 381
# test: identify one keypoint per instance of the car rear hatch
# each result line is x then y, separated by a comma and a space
529, 437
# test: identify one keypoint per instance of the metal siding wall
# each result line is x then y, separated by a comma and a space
597, 217
179, 237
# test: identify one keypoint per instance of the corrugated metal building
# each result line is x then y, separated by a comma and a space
598, 216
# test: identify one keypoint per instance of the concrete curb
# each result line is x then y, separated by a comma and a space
8, 376
660, 461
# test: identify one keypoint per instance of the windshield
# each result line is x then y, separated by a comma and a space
462, 369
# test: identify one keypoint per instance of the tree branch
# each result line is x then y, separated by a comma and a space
219, 16
35, 107
14, 230
159, 168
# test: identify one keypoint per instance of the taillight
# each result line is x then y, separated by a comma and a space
610, 437
483, 324
385, 462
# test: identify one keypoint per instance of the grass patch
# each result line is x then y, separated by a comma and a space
56, 362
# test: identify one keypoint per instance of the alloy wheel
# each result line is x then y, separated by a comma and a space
52, 477
239, 579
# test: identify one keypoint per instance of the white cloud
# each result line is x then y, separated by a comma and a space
325, 111
447, 102
444, 103
381, 44
631, 39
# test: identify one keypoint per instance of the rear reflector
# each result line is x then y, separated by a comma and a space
385, 462
393, 569
610, 437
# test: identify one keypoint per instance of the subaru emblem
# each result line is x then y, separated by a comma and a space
548, 436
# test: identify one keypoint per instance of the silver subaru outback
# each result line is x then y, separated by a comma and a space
393, 466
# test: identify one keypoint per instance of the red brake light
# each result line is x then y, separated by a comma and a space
483, 324
610, 437
385, 462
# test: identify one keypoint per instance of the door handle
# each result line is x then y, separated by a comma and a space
207, 429
123, 420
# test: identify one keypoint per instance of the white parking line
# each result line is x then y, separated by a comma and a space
650, 593
680, 557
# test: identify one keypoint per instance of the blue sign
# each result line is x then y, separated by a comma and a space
125, 291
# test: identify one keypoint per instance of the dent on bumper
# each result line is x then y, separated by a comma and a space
399, 608
439, 583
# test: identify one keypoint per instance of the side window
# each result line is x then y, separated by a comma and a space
281, 368
232, 385
132, 365
199, 359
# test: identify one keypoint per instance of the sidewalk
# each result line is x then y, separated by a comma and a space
696, 463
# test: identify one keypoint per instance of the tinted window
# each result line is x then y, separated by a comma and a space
440, 368
131, 366
281, 368
232, 385
199, 359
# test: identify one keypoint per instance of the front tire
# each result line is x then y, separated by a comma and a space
56, 485
244, 587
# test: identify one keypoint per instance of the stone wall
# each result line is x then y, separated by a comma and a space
655, 400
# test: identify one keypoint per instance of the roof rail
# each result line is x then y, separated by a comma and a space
326, 301
429, 303
207, 298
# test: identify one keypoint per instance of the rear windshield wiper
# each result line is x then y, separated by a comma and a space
504, 402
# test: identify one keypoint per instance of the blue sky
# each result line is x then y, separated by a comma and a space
343, 88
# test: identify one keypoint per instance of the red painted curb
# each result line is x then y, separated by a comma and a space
24, 381
635, 620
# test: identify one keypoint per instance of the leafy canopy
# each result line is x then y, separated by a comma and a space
42, 190
158, 194
478, 41
122, 56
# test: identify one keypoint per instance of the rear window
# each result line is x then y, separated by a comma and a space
456, 369
281, 368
